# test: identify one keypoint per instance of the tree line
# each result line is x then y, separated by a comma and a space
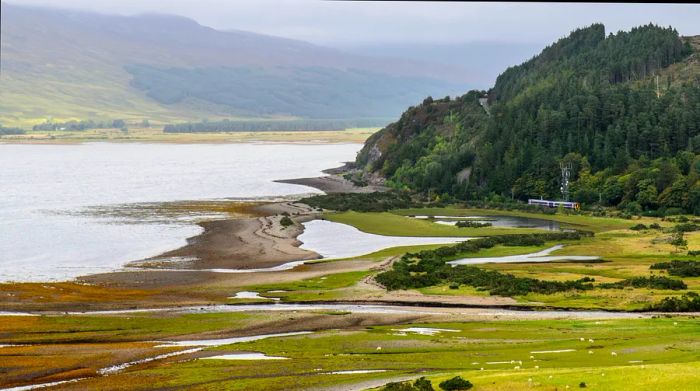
589, 100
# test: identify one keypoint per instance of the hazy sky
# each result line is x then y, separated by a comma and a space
348, 23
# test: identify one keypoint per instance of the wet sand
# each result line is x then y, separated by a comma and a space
249, 243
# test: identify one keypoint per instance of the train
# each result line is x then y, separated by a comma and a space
555, 204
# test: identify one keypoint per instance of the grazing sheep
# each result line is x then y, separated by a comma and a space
537, 367
379, 348
583, 339
590, 340
590, 352
532, 357
613, 354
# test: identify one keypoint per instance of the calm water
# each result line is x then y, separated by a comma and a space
44, 187
323, 236
499, 221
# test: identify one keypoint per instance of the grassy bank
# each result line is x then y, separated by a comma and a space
514, 355
156, 135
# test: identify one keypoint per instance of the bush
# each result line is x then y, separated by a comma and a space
472, 224
360, 202
398, 387
679, 268
429, 267
653, 282
421, 384
286, 221
693, 253
686, 227
639, 227
456, 383
689, 302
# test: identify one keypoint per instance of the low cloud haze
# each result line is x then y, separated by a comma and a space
350, 23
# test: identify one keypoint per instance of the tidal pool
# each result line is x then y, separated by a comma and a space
540, 256
498, 221
244, 356
335, 240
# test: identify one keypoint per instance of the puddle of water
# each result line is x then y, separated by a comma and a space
335, 240
278, 268
540, 256
229, 341
426, 330
251, 295
120, 367
244, 356
42, 385
553, 351
355, 371
10, 313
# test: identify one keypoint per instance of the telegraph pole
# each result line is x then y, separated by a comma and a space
565, 176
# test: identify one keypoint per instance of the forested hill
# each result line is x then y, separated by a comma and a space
623, 109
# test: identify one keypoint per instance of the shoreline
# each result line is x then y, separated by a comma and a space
241, 243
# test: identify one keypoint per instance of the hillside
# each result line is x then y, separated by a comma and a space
78, 65
623, 109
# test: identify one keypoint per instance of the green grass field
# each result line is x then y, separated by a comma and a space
514, 355
392, 224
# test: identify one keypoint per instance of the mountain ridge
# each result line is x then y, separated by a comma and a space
590, 99
63, 64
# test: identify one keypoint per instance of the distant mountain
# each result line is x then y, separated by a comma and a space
69, 64
623, 110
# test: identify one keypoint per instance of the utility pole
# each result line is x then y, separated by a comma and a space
658, 92
565, 176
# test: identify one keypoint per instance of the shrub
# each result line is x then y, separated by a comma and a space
398, 387
423, 384
472, 224
456, 383
582, 384
286, 221
686, 227
689, 302
693, 253
360, 202
429, 267
639, 227
679, 268
653, 282
654, 226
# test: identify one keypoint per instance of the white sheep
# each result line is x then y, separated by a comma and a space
613, 354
